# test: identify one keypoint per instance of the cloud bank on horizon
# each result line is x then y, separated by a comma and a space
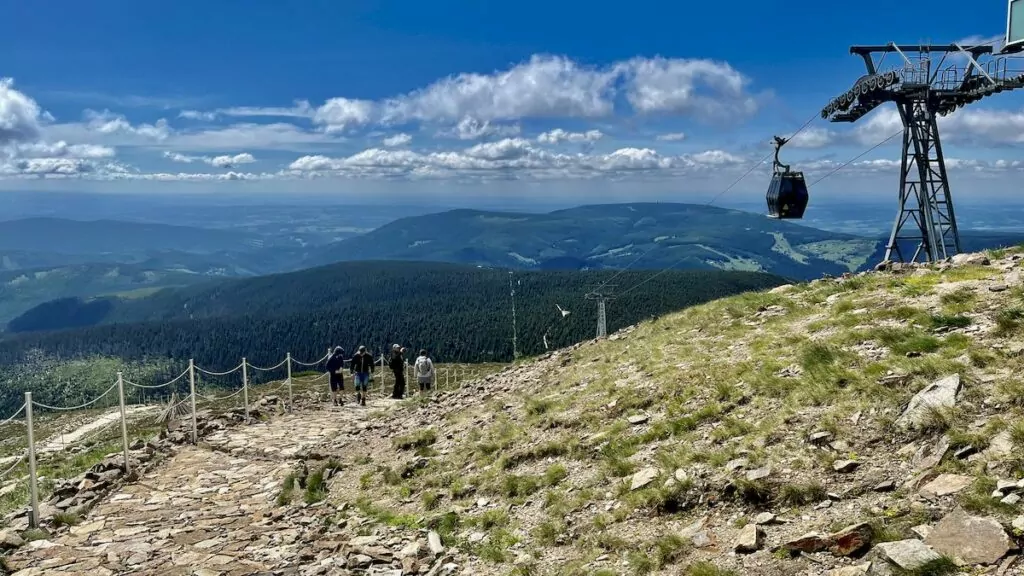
546, 119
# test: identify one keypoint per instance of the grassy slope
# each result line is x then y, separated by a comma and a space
529, 472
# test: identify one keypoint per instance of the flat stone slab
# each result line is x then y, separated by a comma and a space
946, 484
969, 539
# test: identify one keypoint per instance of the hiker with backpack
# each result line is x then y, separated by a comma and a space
424, 369
397, 365
335, 364
362, 367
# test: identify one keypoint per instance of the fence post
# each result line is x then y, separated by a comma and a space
33, 489
245, 387
447, 379
124, 422
291, 401
192, 387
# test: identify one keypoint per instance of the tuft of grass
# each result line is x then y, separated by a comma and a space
800, 494
419, 439
948, 321
66, 519
287, 488
1008, 321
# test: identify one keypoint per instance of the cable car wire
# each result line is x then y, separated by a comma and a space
751, 169
834, 170
716, 197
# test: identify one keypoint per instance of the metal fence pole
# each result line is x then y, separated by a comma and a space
291, 398
33, 489
245, 388
192, 387
124, 421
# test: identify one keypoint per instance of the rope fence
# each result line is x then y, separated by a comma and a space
451, 377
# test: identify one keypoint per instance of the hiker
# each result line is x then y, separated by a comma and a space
335, 364
362, 367
397, 365
424, 371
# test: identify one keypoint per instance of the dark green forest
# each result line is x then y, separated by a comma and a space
459, 313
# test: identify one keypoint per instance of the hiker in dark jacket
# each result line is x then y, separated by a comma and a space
335, 365
362, 367
397, 365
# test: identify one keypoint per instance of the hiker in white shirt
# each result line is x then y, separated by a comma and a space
424, 370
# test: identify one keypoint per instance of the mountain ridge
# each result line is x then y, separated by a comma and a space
690, 236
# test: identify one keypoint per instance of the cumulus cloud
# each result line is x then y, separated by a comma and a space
703, 88
397, 140
106, 122
215, 161
60, 149
470, 128
339, 114
672, 137
512, 157
20, 116
558, 135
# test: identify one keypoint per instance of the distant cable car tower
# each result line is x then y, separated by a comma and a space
923, 90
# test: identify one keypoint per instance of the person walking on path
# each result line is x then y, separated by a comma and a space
397, 365
335, 365
424, 369
362, 366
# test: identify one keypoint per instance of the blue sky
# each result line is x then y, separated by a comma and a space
641, 100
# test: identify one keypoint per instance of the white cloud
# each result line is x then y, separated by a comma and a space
59, 149
20, 116
198, 115
106, 122
512, 158
672, 137
703, 88
558, 135
339, 114
470, 128
397, 140
215, 161
300, 109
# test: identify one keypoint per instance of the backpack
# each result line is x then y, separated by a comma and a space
423, 366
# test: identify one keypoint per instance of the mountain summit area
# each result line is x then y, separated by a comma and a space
867, 424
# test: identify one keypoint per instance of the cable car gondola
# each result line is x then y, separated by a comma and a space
787, 193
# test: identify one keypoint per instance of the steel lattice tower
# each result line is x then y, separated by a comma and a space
923, 91
602, 298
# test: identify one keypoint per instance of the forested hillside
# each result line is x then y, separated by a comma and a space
460, 313
685, 236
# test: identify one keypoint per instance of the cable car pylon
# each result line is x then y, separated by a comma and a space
922, 90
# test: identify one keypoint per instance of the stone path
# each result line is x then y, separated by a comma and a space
210, 510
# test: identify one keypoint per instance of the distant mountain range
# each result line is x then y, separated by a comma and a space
684, 236
48, 258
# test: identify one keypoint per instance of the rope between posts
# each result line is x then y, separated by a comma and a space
208, 373
80, 406
282, 363
15, 415
16, 464
216, 398
176, 378
325, 357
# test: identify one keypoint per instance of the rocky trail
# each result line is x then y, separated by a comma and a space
212, 509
